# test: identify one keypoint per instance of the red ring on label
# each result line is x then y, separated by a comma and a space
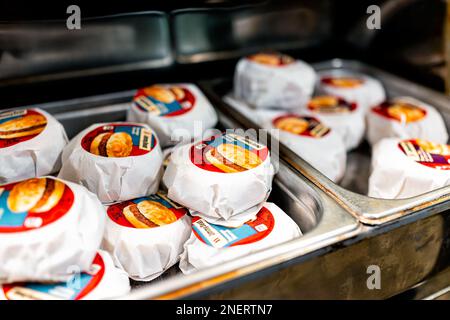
19, 126
33, 204
400, 111
117, 140
220, 237
301, 125
146, 212
228, 153
75, 289
429, 154
164, 101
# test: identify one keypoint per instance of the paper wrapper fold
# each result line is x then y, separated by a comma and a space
145, 254
48, 253
36, 157
350, 126
431, 127
194, 122
113, 283
369, 94
112, 179
327, 154
199, 255
221, 198
263, 86
396, 176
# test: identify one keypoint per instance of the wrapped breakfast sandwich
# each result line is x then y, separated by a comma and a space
47, 226
346, 118
211, 245
177, 112
117, 161
145, 236
309, 138
102, 281
403, 118
407, 168
225, 178
362, 89
273, 80
31, 142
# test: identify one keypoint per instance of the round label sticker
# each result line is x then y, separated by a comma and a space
164, 101
33, 203
147, 212
400, 111
228, 153
119, 140
75, 288
433, 155
330, 104
272, 59
343, 82
21, 125
301, 125
220, 237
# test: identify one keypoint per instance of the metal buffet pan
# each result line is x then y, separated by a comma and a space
322, 221
351, 192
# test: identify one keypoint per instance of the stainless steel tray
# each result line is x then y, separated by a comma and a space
322, 221
350, 194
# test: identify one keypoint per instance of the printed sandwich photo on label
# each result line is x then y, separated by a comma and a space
33, 203
272, 59
164, 101
74, 289
147, 212
301, 125
119, 140
433, 155
331, 104
21, 125
401, 111
220, 237
228, 153
343, 82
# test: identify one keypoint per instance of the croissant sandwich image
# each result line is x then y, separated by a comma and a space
345, 82
232, 158
148, 214
22, 127
272, 59
165, 95
35, 195
114, 145
405, 112
292, 124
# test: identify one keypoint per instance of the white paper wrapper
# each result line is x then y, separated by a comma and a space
187, 115
367, 94
348, 123
396, 175
44, 235
285, 86
319, 145
33, 152
134, 174
211, 245
429, 126
203, 183
102, 281
146, 251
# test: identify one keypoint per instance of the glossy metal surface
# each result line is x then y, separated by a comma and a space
323, 222
368, 210
47, 50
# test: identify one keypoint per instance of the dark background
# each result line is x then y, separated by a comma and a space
40, 60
